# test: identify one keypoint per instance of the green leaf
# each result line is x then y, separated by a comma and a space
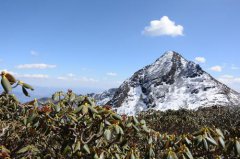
117, 156
199, 139
85, 109
143, 122
102, 156
77, 146
67, 150
57, 107
212, 141
150, 140
135, 128
73, 118
14, 97
219, 132
6, 84
222, 142
34, 149
95, 156
188, 153
133, 156
27, 86
86, 148
145, 128
25, 120
121, 130
187, 141
25, 92
117, 129
92, 109
172, 155
107, 134
72, 97
151, 153
31, 118
116, 116
23, 150
55, 97
205, 144
78, 109
135, 120
237, 145
129, 125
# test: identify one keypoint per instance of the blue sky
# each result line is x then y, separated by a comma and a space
98, 44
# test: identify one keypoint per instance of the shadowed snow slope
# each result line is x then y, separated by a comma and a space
171, 82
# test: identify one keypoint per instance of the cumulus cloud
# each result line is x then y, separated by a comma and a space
112, 74
164, 26
216, 68
200, 59
36, 66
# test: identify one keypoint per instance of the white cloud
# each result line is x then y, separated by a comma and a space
62, 78
216, 68
35, 66
71, 75
200, 59
39, 76
34, 53
231, 81
164, 26
86, 79
112, 74
235, 67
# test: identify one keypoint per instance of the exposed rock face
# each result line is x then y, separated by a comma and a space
103, 98
171, 82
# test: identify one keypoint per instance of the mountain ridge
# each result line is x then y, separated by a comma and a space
171, 82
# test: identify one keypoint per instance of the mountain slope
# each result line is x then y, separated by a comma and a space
104, 97
171, 82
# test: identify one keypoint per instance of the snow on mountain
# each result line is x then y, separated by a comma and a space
104, 97
171, 82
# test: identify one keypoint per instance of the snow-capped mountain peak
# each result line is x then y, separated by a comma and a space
171, 82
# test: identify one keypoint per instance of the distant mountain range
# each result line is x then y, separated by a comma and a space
171, 82
43, 93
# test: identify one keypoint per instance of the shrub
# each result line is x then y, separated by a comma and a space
72, 126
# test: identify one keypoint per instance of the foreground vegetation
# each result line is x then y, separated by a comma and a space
74, 127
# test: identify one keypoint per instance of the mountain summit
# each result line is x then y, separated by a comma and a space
171, 82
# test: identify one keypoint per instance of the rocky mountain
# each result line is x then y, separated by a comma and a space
104, 97
171, 82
